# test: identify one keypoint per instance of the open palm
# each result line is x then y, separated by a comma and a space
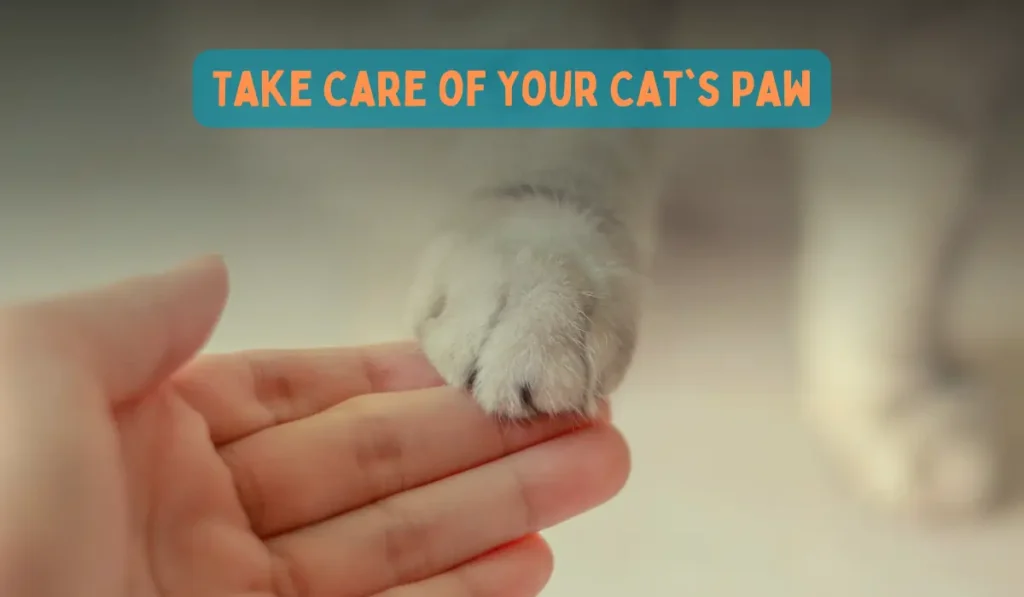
335, 472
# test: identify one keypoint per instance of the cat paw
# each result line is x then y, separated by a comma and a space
932, 456
532, 309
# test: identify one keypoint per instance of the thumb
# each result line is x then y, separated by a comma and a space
132, 335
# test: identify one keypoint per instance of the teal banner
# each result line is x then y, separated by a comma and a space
512, 88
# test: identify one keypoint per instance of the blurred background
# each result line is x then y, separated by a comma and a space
103, 173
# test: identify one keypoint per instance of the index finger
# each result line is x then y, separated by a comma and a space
242, 393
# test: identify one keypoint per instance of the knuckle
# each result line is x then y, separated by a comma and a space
406, 544
248, 488
288, 578
380, 453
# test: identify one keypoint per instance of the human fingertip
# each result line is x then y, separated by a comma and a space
532, 560
614, 452
211, 264
541, 550
542, 560
602, 457
399, 366
204, 260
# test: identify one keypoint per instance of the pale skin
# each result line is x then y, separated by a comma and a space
130, 468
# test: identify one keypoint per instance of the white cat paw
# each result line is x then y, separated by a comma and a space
932, 456
532, 307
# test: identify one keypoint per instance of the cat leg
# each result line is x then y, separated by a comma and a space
530, 297
881, 195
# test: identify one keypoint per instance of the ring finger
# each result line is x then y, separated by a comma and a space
430, 530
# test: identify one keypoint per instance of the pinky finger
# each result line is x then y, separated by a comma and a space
520, 569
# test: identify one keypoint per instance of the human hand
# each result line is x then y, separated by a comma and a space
341, 472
